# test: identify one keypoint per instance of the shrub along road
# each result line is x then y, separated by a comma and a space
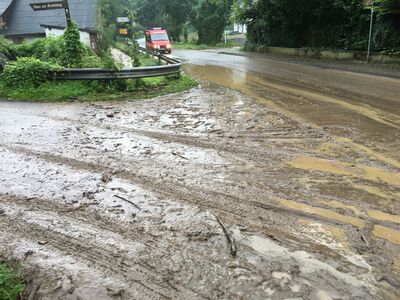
282, 184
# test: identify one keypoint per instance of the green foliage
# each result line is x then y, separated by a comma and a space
110, 10
91, 61
108, 61
66, 50
26, 71
49, 49
73, 48
132, 50
210, 18
11, 285
169, 14
339, 24
197, 46
7, 48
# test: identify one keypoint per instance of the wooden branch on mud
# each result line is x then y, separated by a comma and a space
128, 201
177, 154
229, 238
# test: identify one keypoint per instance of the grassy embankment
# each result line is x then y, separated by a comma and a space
11, 282
195, 46
192, 43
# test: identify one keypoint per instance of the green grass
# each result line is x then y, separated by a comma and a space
11, 284
95, 91
147, 60
195, 46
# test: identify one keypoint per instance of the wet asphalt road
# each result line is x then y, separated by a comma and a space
126, 200
340, 100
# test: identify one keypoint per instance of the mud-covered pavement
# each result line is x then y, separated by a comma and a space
130, 200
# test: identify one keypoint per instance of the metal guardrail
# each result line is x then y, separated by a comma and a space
173, 67
160, 56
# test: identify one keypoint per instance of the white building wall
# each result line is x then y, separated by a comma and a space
85, 36
241, 28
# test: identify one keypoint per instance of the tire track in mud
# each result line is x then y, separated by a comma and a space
222, 145
99, 257
377, 115
127, 268
102, 256
209, 199
231, 207
204, 198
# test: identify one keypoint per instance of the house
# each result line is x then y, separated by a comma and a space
22, 23
4, 11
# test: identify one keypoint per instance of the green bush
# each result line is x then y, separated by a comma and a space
47, 49
91, 61
74, 50
11, 286
7, 48
26, 71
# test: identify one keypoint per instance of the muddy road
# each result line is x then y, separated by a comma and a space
270, 180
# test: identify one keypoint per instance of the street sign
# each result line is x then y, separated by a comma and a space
54, 5
123, 20
123, 31
47, 5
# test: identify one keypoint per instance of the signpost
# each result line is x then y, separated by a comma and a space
123, 20
370, 5
123, 26
370, 34
63, 4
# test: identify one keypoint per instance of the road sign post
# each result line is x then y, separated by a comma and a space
370, 34
63, 4
67, 13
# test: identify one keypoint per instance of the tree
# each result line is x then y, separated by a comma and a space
210, 17
169, 14
176, 14
109, 11
342, 24
387, 29
73, 48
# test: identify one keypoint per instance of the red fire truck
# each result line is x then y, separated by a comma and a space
157, 39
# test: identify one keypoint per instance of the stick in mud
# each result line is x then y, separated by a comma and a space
128, 201
229, 238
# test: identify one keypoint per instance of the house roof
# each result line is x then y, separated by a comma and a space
24, 21
4, 4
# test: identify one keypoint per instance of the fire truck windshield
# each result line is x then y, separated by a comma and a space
159, 37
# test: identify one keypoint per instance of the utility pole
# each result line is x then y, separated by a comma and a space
370, 33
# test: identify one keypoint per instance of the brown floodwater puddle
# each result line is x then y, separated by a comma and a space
346, 169
369, 151
322, 212
385, 118
379, 231
389, 234
248, 83
376, 191
375, 214
382, 216
336, 204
